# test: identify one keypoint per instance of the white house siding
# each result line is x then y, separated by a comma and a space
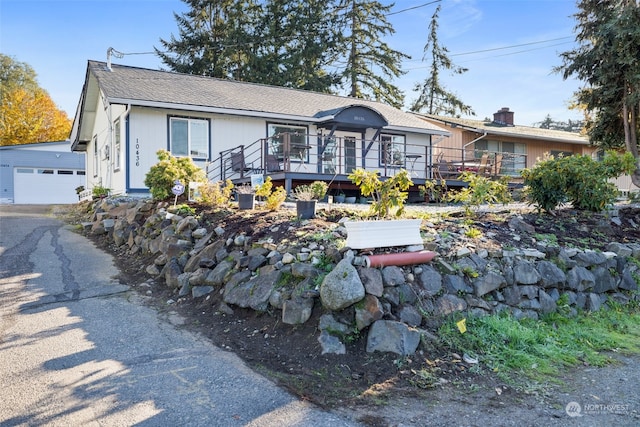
101, 172
148, 133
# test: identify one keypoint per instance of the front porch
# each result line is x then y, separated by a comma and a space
292, 159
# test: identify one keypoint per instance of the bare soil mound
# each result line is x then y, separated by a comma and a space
433, 387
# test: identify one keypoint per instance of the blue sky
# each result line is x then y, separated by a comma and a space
57, 37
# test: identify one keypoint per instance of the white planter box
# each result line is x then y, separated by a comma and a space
383, 233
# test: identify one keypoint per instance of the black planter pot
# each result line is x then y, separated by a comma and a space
246, 201
306, 209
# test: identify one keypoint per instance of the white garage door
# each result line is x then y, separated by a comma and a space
46, 186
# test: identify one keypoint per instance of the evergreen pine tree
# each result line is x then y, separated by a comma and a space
369, 64
608, 33
215, 37
433, 97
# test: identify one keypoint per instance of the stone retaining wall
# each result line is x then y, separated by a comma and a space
391, 305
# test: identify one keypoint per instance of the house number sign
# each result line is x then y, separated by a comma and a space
137, 152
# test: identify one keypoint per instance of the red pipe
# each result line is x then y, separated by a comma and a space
402, 258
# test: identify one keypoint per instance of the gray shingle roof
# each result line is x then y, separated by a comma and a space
143, 86
519, 131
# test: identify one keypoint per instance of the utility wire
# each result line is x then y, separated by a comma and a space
412, 8
491, 57
510, 47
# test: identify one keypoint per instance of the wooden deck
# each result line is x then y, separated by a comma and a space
331, 160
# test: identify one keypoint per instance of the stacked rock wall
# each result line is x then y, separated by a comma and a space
392, 305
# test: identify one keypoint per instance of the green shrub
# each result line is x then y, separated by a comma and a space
314, 191
319, 189
273, 198
215, 194
577, 179
434, 189
183, 210
481, 190
99, 191
387, 194
161, 177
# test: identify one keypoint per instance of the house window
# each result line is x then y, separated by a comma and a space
96, 160
189, 137
392, 150
514, 154
295, 135
116, 145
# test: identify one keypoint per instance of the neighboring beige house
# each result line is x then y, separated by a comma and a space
520, 146
236, 129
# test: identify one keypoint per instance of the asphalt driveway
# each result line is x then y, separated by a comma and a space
78, 348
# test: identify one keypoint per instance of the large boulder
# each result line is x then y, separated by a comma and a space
341, 287
392, 336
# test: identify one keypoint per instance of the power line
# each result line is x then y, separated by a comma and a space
507, 47
510, 47
514, 53
494, 56
412, 8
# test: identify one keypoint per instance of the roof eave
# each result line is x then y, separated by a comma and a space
250, 113
206, 109
419, 130
537, 137
490, 131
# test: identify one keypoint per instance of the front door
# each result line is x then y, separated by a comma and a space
349, 149
349, 154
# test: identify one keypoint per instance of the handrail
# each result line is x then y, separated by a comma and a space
285, 152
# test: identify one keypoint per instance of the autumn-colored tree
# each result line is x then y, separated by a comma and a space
27, 112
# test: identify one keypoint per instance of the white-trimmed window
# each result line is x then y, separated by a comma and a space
296, 135
189, 137
392, 150
96, 159
116, 145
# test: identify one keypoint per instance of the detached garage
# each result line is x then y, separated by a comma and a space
42, 173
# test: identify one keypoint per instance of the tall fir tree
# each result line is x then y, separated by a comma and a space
367, 64
282, 43
309, 50
215, 38
608, 33
433, 97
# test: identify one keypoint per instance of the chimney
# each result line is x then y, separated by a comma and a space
503, 117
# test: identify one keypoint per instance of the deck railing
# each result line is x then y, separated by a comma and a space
323, 155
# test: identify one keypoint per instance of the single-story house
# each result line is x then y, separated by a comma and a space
40, 173
236, 129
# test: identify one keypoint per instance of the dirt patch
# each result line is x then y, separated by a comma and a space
433, 387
